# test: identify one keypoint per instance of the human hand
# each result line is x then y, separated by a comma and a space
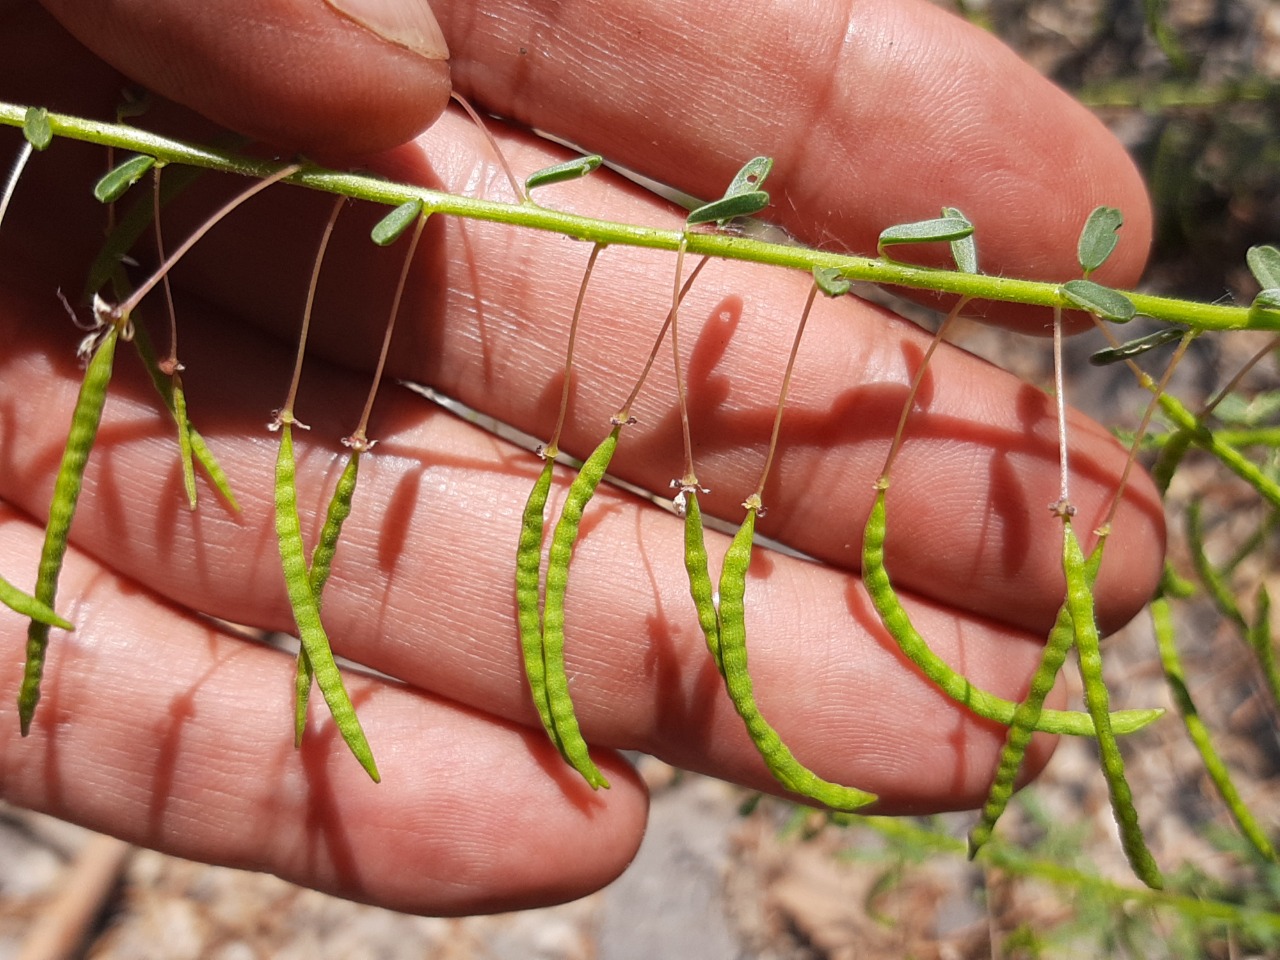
168, 729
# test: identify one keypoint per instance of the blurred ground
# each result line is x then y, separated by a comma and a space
1198, 102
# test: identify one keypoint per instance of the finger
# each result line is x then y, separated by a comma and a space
422, 587
875, 112
341, 77
488, 324
490, 306
170, 732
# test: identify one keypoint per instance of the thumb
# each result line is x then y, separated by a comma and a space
344, 77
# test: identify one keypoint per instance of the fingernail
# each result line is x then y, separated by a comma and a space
406, 23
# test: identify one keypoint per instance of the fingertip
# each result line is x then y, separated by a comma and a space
338, 79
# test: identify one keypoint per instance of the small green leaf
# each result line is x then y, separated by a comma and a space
112, 186
964, 250
1136, 347
830, 281
1106, 303
387, 230
1256, 411
750, 177
727, 208
569, 170
948, 229
1268, 301
36, 128
1098, 238
1264, 264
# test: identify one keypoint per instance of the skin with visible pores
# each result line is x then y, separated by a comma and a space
174, 727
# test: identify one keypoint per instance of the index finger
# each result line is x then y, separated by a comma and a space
876, 112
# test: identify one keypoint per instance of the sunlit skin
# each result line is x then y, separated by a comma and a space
162, 726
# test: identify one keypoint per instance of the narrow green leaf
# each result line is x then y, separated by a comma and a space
569, 170
1257, 411
830, 281
113, 185
727, 208
750, 177
36, 128
387, 230
1134, 348
1267, 301
1264, 264
942, 229
964, 250
1107, 303
1098, 238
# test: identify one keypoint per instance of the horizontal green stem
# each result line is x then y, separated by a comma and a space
880, 271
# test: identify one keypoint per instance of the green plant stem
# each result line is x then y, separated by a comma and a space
1198, 733
1008, 857
880, 271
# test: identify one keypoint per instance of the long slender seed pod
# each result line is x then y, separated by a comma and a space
66, 491
22, 602
529, 550
318, 575
788, 771
171, 363
1027, 715
528, 568
697, 565
185, 448
1215, 583
199, 447
306, 611
1080, 603
987, 705
1162, 620
1259, 637
572, 746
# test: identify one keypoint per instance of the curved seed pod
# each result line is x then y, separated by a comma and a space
1162, 620
696, 563
66, 491
306, 611
1080, 603
528, 568
955, 685
1027, 715
560, 704
318, 576
21, 602
788, 771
